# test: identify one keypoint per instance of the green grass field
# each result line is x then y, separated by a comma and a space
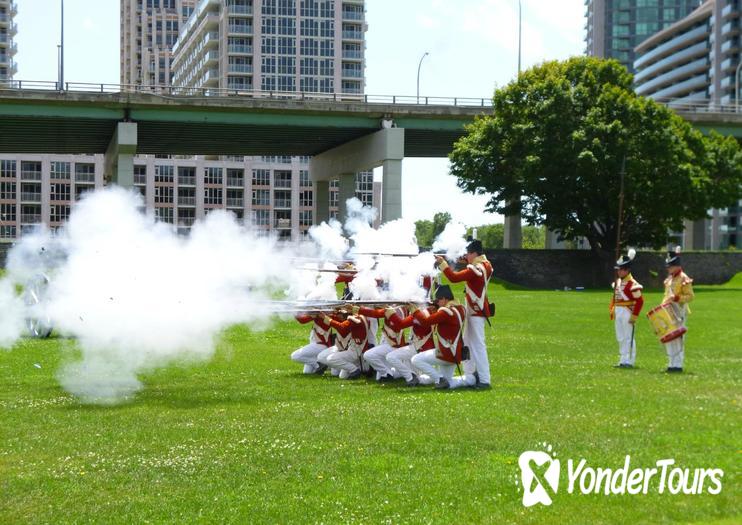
246, 438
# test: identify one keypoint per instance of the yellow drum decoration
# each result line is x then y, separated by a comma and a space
665, 322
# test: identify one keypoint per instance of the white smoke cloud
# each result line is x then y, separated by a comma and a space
136, 296
451, 240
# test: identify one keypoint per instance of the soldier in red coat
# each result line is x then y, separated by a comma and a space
421, 340
476, 275
319, 340
392, 339
354, 333
448, 323
625, 307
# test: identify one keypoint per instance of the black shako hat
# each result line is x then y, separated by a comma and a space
444, 292
475, 246
624, 262
673, 257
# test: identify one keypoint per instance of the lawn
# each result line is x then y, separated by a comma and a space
245, 438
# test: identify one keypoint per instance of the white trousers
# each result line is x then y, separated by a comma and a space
435, 368
376, 357
308, 355
347, 361
474, 339
676, 350
323, 356
373, 328
400, 359
625, 335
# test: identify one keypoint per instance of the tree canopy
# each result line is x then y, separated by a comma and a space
556, 144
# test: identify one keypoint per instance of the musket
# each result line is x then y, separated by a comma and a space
381, 254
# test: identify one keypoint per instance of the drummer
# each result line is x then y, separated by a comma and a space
678, 293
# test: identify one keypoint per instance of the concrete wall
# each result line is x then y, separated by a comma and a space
551, 269
4, 248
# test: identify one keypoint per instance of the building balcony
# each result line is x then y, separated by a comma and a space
239, 9
731, 45
239, 29
4, 19
235, 182
282, 203
238, 49
140, 179
282, 223
235, 203
212, 56
186, 201
353, 54
31, 175
30, 218
240, 68
31, 197
186, 221
680, 41
13, 8
186, 180
352, 35
353, 15
85, 177
730, 28
352, 73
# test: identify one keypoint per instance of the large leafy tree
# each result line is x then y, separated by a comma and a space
558, 140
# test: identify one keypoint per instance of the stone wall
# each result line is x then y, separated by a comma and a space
551, 269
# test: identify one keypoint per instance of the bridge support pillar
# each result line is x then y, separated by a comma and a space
382, 148
346, 190
321, 201
391, 191
694, 236
119, 162
513, 238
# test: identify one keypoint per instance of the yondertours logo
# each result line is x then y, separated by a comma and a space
540, 473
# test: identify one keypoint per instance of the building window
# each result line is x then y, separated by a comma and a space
261, 197
282, 179
262, 217
235, 177
7, 212
261, 177
7, 190
164, 194
213, 175
84, 172
31, 170
59, 192
305, 199
60, 170
304, 180
213, 196
164, 173
164, 214
59, 213
7, 168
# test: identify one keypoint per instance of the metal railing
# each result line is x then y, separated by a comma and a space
235, 203
187, 201
235, 182
192, 92
186, 180
30, 197
31, 175
30, 218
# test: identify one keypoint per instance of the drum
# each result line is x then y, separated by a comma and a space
665, 322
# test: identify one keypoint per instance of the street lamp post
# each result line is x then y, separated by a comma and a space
736, 84
418, 75
61, 49
520, 31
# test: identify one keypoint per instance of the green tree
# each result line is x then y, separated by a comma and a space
440, 220
491, 235
559, 137
424, 233
534, 237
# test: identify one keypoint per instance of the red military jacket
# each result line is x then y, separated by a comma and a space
394, 335
422, 336
627, 292
354, 332
476, 276
321, 331
448, 323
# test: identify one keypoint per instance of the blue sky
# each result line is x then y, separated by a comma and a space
473, 46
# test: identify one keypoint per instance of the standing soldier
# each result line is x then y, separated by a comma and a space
625, 307
319, 340
448, 322
678, 293
476, 275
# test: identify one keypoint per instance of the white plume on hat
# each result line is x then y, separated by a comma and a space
677, 249
631, 253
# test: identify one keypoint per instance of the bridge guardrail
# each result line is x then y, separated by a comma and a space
683, 105
167, 91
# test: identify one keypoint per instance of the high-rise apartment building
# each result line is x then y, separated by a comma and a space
8, 48
695, 61
616, 27
276, 193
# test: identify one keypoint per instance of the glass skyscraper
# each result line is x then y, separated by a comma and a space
616, 27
